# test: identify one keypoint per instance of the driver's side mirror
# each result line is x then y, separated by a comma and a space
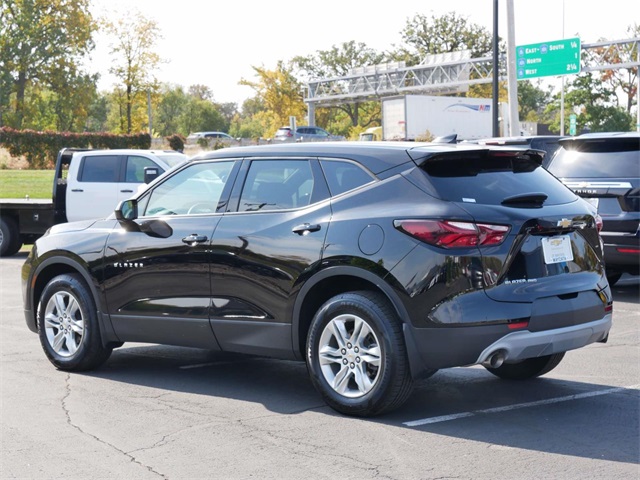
150, 174
127, 210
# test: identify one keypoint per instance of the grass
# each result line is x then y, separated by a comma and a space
18, 183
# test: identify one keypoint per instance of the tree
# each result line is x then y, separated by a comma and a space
623, 79
532, 100
595, 106
280, 93
339, 61
134, 59
171, 110
41, 40
451, 32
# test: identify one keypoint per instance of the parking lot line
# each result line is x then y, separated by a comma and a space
446, 418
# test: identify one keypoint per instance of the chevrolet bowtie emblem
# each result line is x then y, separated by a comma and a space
564, 223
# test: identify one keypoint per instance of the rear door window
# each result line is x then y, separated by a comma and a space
344, 176
490, 179
100, 168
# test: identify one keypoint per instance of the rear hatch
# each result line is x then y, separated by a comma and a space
552, 247
604, 171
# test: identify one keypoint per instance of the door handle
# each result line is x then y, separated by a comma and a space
194, 239
305, 228
77, 190
126, 191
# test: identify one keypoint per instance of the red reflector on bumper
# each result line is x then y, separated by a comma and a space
517, 325
628, 250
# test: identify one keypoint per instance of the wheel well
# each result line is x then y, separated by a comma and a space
323, 291
45, 277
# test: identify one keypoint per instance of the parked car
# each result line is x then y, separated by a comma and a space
604, 169
305, 134
548, 143
212, 137
377, 264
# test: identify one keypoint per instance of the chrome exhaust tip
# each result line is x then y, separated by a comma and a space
495, 360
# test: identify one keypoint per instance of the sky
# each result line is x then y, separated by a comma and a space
216, 43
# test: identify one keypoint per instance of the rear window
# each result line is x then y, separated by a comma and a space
491, 179
620, 159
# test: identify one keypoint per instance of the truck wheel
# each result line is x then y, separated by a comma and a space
9, 237
529, 368
68, 325
356, 355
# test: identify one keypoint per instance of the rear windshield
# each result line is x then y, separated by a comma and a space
491, 179
598, 160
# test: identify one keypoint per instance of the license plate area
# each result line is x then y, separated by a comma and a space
557, 249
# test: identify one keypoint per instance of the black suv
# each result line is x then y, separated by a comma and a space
604, 169
376, 264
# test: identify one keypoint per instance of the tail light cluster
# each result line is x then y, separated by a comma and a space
599, 222
453, 234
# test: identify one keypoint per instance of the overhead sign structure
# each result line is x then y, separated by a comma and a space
554, 58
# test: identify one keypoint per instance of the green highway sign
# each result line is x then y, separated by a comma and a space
558, 57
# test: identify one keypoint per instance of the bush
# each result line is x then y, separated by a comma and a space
176, 142
41, 148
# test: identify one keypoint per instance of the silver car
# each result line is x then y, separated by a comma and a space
305, 134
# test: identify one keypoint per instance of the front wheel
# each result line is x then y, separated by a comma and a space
68, 325
529, 368
356, 355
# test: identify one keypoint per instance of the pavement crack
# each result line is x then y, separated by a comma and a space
67, 413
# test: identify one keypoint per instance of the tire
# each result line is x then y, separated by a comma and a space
68, 325
351, 382
613, 277
529, 368
9, 237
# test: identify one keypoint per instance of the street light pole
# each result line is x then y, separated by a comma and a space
514, 120
496, 71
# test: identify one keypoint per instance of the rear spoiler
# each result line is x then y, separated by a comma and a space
422, 157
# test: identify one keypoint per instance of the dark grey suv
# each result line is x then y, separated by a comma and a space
604, 169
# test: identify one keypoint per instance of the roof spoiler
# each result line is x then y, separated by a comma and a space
422, 157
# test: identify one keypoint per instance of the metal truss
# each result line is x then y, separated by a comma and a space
446, 77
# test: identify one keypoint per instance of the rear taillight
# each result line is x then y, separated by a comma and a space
453, 234
598, 222
289, 133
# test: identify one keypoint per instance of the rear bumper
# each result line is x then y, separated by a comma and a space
521, 345
431, 349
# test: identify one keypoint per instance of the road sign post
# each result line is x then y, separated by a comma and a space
554, 58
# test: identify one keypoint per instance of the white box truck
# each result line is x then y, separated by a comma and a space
412, 117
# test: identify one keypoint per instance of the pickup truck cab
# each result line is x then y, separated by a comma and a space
88, 184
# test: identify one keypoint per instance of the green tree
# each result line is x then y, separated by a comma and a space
339, 61
451, 32
133, 38
281, 94
532, 100
595, 105
171, 110
624, 80
41, 41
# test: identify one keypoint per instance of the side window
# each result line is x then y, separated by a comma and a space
100, 168
277, 185
344, 176
134, 172
192, 191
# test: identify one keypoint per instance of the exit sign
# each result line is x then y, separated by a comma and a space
558, 57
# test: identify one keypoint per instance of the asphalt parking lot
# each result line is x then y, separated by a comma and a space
157, 412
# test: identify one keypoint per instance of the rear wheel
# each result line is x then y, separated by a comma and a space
9, 237
529, 368
356, 355
68, 325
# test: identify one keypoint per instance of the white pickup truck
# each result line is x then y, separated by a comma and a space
87, 184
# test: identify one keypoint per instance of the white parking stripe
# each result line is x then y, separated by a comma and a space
446, 418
